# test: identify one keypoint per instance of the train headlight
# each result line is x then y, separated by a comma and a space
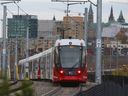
61, 72
79, 71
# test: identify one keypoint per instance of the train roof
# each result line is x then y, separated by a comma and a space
77, 42
36, 56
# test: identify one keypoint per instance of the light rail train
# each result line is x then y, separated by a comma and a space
65, 62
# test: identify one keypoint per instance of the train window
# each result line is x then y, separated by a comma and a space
35, 66
70, 57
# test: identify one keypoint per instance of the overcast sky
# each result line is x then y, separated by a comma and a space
45, 9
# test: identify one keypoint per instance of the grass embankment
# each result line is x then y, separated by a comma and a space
25, 88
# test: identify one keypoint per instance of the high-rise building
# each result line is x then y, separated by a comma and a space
73, 27
17, 26
45, 28
59, 29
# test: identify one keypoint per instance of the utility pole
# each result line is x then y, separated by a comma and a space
98, 42
67, 8
16, 56
27, 48
16, 50
86, 26
0, 63
4, 65
8, 62
4, 62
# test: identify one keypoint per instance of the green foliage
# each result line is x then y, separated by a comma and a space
121, 36
17, 94
27, 91
4, 87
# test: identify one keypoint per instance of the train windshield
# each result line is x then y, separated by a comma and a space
70, 56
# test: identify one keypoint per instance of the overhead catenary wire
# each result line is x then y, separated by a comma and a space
20, 8
16, 5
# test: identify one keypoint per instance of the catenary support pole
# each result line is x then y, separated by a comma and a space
85, 26
98, 42
4, 64
27, 50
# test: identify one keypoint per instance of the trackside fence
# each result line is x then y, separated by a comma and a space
111, 86
121, 80
106, 89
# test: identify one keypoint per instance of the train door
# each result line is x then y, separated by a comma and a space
35, 69
30, 70
33, 74
42, 67
38, 70
22, 72
46, 66
51, 66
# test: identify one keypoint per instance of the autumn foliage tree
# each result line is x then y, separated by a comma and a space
121, 36
123, 71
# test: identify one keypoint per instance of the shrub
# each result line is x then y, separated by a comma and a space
4, 87
27, 89
123, 71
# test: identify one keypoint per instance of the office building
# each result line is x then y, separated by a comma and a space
17, 26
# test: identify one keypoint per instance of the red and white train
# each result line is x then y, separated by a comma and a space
65, 62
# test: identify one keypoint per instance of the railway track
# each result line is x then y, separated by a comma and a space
65, 91
48, 89
43, 88
52, 92
68, 91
